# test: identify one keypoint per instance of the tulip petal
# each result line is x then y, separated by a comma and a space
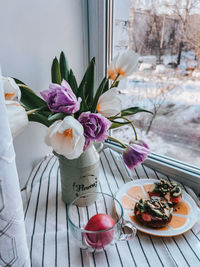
51, 131
128, 62
95, 127
60, 98
109, 103
135, 154
111, 68
11, 89
17, 117
124, 64
66, 137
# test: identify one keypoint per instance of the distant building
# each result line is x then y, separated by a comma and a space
151, 34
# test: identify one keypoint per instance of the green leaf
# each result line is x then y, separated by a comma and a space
118, 124
84, 106
73, 82
44, 109
99, 92
117, 83
56, 116
133, 110
29, 97
64, 69
55, 72
39, 118
18, 81
86, 88
45, 113
106, 88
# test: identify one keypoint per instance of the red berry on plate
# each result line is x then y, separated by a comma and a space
100, 222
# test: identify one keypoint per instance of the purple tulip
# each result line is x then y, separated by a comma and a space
60, 98
135, 154
95, 127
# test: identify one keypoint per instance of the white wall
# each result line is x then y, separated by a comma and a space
31, 34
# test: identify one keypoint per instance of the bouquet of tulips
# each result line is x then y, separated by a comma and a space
76, 115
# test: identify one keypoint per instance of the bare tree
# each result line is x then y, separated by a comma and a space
138, 21
133, 44
151, 32
193, 34
157, 100
182, 10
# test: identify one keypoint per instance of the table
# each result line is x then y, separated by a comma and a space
49, 238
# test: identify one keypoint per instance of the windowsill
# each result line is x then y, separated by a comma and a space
182, 172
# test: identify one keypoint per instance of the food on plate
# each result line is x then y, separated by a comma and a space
177, 221
181, 208
136, 192
154, 213
128, 203
100, 222
171, 191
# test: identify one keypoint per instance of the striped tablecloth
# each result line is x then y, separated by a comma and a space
50, 241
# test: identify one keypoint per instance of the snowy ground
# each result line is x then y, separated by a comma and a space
175, 131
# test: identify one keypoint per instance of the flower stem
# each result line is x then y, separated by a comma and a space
114, 83
114, 117
116, 140
136, 137
32, 111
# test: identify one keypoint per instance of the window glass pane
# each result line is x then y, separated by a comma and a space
166, 34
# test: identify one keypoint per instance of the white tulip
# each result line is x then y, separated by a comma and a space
11, 89
111, 68
109, 103
66, 137
17, 117
123, 65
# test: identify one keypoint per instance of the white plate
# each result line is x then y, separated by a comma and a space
191, 217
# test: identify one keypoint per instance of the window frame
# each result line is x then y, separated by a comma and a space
96, 33
98, 22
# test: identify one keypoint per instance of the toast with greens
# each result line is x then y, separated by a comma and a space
154, 213
170, 191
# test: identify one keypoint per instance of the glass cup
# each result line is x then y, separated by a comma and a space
90, 240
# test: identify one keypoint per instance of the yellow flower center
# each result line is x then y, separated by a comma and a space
68, 133
111, 74
120, 72
8, 96
98, 107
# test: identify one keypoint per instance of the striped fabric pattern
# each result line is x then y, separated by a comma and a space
49, 238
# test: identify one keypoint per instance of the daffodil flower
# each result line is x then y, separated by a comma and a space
66, 137
123, 65
17, 117
109, 104
11, 89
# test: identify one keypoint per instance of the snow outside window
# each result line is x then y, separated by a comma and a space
166, 34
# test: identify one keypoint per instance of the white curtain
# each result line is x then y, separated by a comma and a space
13, 244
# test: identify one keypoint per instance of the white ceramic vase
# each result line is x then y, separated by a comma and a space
80, 176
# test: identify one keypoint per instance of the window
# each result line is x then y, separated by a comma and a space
166, 35
108, 27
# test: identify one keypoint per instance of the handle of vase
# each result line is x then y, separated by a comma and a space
99, 147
